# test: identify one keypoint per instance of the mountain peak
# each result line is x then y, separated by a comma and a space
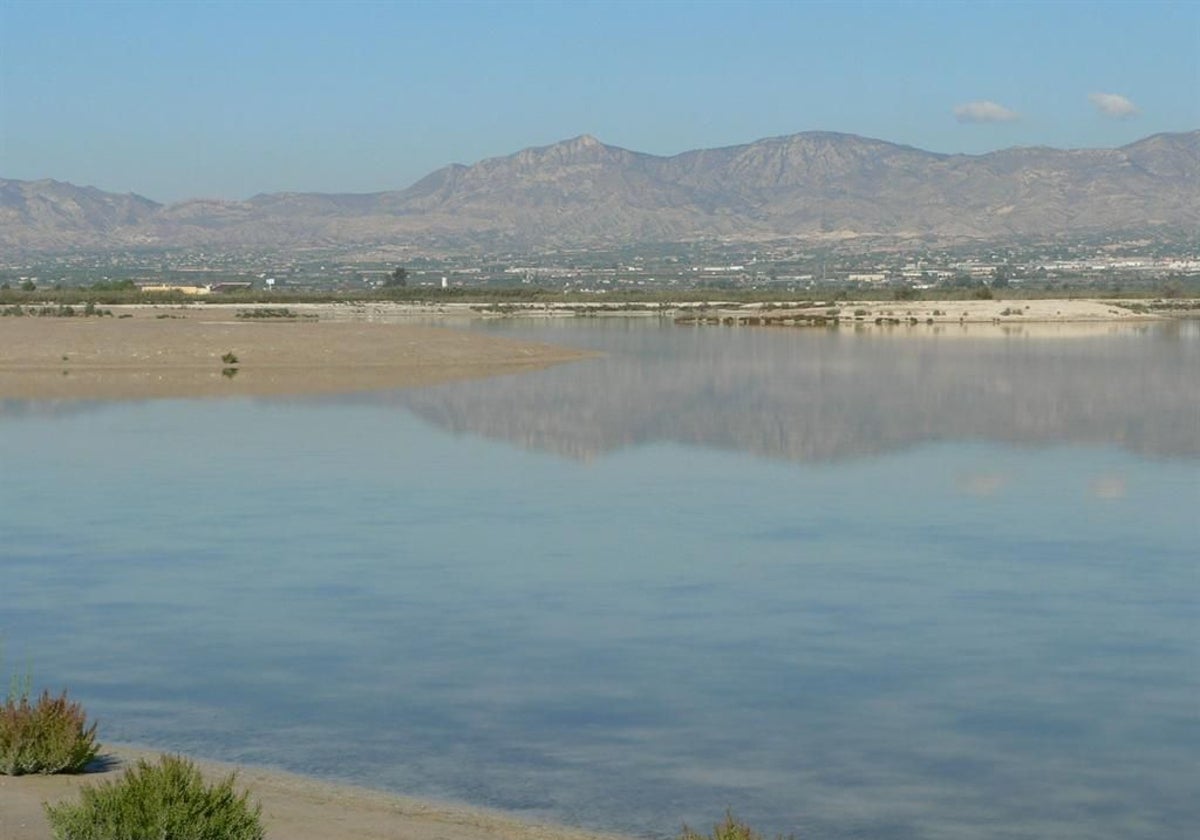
584, 149
580, 190
584, 143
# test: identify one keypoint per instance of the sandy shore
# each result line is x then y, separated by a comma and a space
294, 807
144, 352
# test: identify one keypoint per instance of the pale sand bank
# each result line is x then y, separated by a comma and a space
177, 352
294, 807
963, 312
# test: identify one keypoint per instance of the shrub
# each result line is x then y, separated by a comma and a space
273, 312
152, 801
728, 829
229, 358
49, 736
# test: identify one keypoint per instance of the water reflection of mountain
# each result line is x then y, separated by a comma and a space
806, 395
818, 395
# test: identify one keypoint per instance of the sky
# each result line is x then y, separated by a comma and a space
174, 99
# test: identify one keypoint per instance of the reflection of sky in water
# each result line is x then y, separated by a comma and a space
954, 640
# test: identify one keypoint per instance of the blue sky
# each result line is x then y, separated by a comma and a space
229, 99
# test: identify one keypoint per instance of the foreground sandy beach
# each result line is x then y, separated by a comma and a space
294, 808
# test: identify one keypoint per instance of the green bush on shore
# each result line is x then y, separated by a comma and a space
50, 735
154, 801
727, 829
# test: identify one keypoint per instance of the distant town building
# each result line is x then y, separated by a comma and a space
166, 288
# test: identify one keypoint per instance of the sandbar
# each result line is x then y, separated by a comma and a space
147, 352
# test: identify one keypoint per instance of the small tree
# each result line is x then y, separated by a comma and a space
397, 279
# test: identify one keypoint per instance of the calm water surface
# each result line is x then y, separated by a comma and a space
849, 585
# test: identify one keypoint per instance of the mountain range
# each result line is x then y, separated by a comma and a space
582, 192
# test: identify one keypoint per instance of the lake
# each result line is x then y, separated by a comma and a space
891, 584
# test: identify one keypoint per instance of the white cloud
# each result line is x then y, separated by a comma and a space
983, 111
1113, 104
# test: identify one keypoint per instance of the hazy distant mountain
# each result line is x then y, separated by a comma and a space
582, 191
53, 214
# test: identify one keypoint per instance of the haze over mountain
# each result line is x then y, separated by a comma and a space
582, 192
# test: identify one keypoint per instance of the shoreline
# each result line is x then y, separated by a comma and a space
1030, 310
148, 351
294, 807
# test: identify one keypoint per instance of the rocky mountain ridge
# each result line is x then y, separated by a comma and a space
581, 192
